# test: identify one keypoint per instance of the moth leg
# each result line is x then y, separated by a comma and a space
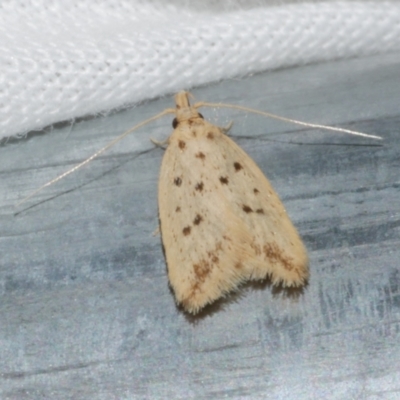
225, 129
156, 231
163, 144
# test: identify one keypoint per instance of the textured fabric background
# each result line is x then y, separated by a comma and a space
63, 60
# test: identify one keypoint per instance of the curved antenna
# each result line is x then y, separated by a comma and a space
293, 121
102, 150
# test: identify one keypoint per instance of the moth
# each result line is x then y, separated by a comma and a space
222, 223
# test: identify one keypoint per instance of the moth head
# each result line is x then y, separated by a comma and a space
184, 111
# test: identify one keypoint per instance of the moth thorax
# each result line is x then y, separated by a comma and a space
187, 114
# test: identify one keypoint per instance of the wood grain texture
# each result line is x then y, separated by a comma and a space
85, 308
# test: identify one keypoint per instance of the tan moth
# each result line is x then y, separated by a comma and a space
222, 223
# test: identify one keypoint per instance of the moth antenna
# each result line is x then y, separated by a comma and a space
293, 121
93, 156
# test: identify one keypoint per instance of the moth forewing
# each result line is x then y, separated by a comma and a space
221, 221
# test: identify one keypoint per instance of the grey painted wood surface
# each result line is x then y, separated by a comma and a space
85, 309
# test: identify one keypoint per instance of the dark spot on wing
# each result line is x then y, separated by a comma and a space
275, 254
246, 208
260, 211
256, 191
224, 180
178, 181
175, 121
178, 209
202, 270
200, 155
210, 135
214, 258
238, 265
199, 187
197, 220
186, 230
237, 166
182, 144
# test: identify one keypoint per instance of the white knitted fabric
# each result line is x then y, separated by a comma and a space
62, 60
